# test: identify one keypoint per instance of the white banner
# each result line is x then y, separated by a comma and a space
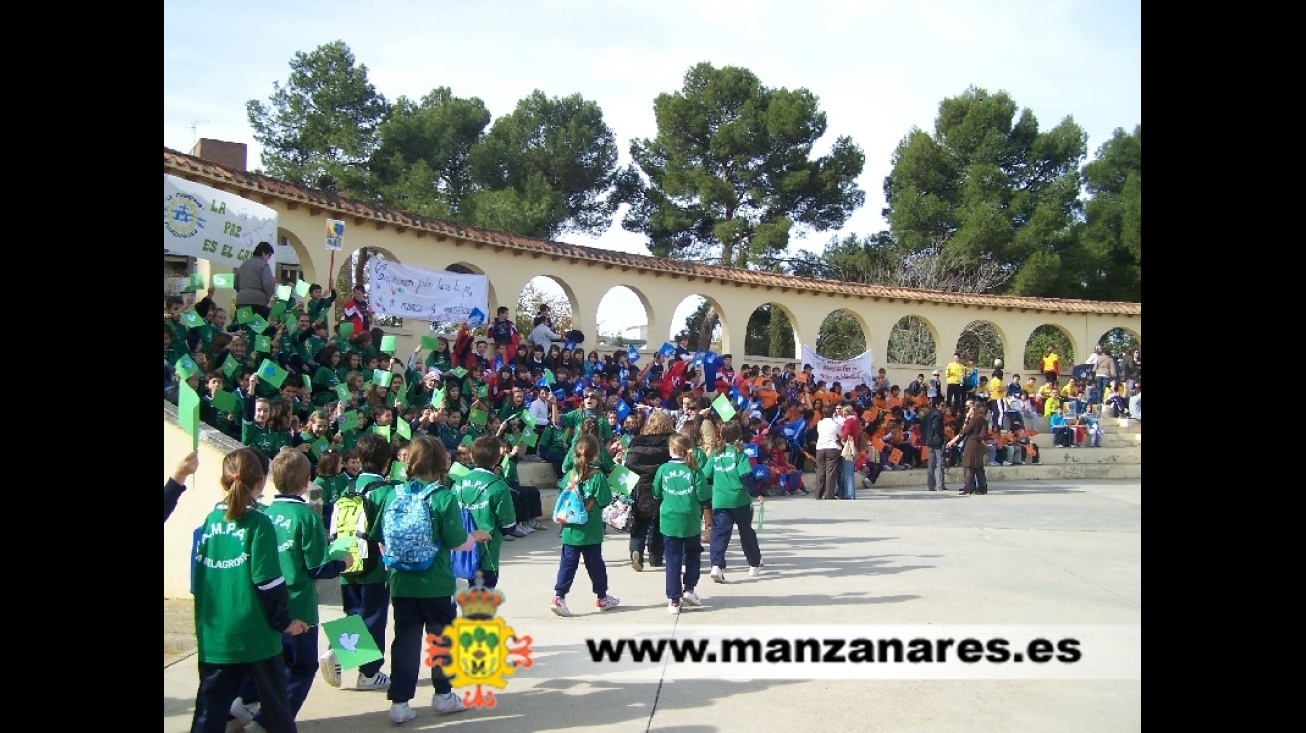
847, 372
431, 295
201, 221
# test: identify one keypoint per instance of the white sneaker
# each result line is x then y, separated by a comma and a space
537, 524
525, 528
673, 608
242, 715
401, 713
329, 666
379, 681
754, 572
691, 598
717, 575
447, 703
608, 601
559, 607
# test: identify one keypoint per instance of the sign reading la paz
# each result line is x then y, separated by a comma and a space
201, 221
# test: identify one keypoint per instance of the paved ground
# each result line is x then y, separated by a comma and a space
1028, 554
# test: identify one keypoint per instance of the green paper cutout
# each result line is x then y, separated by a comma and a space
437, 399
340, 548
188, 413
244, 315
346, 329
625, 441
289, 315
761, 516
398, 471
342, 393
404, 430
530, 438
196, 280
274, 375
301, 289
382, 430
263, 344
430, 342
622, 480
308, 382
511, 438
458, 372
185, 367
397, 400
321, 446
349, 421
192, 319
351, 641
482, 391
283, 292
389, 344
229, 367
477, 417
548, 377
467, 441
457, 471
382, 377
723, 407
224, 401
258, 324
527, 418
277, 310
224, 280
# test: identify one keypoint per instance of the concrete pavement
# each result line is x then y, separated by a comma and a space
1028, 554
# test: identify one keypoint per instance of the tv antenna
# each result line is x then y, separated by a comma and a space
194, 128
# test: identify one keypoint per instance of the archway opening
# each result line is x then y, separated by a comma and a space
1037, 347
770, 333
842, 336
912, 343
700, 318
981, 342
622, 318
1119, 340
542, 290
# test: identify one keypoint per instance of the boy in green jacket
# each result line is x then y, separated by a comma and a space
732, 507
489, 499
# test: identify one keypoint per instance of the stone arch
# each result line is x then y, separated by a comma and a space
771, 332
615, 317
1119, 339
684, 314
1062, 342
546, 289
913, 341
352, 269
467, 268
286, 239
843, 334
984, 342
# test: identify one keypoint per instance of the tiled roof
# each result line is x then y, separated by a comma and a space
189, 166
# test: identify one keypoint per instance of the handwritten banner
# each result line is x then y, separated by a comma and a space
431, 295
847, 372
201, 221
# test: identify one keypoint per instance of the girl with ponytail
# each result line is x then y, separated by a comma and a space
241, 603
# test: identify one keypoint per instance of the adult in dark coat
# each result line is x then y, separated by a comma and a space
646, 453
973, 454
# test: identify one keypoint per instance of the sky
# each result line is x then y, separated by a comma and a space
878, 67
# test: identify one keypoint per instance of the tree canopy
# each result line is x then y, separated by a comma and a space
319, 130
731, 173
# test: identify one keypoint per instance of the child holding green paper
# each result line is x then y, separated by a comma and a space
302, 551
682, 491
319, 307
585, 540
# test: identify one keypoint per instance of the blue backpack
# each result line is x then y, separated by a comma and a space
570, 507
466, 563
409, 542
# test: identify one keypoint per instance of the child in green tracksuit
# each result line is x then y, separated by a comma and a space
242, 604
732, 504
302, 549
680, 487
484, 493
584, 540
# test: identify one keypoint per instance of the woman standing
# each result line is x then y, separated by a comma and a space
644, 455
850, 434
828, 449
973, 454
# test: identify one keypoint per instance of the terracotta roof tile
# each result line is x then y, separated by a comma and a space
188, 165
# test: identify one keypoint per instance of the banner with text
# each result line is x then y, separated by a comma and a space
431, 295
201, 221
847, 372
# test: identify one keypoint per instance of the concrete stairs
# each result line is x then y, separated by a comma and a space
1120, 456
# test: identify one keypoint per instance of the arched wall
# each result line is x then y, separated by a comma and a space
587, 274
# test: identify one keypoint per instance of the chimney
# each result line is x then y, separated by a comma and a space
221, 152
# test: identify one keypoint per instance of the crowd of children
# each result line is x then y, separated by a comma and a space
337, 406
